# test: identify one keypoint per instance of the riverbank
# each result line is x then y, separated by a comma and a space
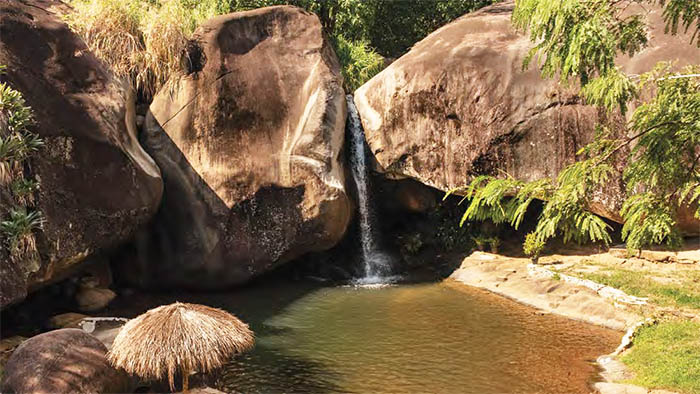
659, 289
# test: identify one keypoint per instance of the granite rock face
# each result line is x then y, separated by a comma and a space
459, 104
97, 185
249, 141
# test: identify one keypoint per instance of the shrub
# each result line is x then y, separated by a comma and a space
533, 246
139, 39
17, 229
23, 190
17, 143
18, 117
358, 60
411, 244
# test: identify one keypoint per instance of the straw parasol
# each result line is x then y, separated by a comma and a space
179, 338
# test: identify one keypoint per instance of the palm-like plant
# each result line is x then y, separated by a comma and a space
29, 143
17, 143
10, 148
17, 230
11, 102
23, 189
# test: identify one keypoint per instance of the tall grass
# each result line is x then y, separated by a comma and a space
144, 40
139, 39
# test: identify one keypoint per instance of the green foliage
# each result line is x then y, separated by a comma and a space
649, 220
662, 175
612, 90
10, 148
18, 115
684, 14
20, 224
390, 27
566, 208
394, 26
482, 241
17, 143
533, 245
578, 38
449, 236
411, 244
23, 190
667, 355
564, 212
360, 62
581, 39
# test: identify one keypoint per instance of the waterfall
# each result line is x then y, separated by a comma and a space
377, 265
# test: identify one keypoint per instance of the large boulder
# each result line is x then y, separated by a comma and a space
249, 141
97, 185
63, 361
459, 104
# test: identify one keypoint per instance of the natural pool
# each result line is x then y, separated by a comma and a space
409, 338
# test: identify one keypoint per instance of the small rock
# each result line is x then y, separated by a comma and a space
414, 196
617, 388
204, 390
93, 299
66, 320
549, 260
105, 329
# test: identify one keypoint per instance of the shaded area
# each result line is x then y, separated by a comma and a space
97, 184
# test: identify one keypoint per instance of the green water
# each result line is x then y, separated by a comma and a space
420, 338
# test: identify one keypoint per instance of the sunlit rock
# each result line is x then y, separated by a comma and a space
249, 142
460, 104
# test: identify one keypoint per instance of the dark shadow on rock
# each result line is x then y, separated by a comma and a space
196, 241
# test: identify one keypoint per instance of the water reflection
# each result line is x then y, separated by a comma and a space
269, 370
415, 338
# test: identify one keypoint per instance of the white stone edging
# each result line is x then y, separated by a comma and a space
604, 291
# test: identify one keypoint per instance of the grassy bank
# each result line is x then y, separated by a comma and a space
667, 355
681, 291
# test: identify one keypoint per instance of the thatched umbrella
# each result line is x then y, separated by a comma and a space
179, 337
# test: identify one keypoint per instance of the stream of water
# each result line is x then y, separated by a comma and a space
377, 265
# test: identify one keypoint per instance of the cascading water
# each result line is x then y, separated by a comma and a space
377, 265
